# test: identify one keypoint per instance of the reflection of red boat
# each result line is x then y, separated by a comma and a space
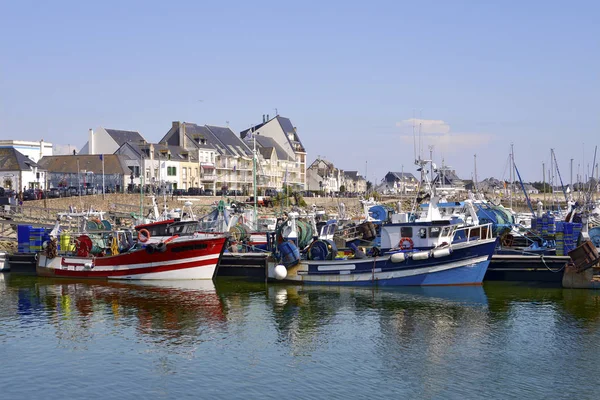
183, 258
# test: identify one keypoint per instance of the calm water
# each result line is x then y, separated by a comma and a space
61, 339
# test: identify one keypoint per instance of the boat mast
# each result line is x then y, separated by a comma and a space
254, 178
475, 172
544, 179
512, 174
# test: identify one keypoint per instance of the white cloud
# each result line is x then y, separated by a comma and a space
453, 142
438, 133
425, 126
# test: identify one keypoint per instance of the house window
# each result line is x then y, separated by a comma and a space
171, 171
184, 173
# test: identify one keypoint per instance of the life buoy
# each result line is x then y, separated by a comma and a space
143, 235
404, 240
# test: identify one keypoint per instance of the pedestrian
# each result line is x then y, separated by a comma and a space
20, 200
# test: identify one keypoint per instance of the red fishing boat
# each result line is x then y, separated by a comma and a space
191, 257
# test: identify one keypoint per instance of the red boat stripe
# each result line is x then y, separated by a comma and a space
134, 271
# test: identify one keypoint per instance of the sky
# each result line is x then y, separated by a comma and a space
355, 78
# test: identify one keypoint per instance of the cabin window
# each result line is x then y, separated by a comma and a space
422, 233
406, 231
446, 231
434, 231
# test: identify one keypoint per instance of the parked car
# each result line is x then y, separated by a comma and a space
29, 194
208, 192
73, 191
53, 193
235, 192
178, 192
64, 192
194, 192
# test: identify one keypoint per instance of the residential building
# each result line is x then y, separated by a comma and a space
323, 176
85, 170
108, 141
292, 157
18, 172
399, 183
354, 182
31, 149
224, 161
274, 168
446, 178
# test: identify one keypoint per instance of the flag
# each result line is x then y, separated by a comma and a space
101, 157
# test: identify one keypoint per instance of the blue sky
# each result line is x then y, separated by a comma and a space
475, 75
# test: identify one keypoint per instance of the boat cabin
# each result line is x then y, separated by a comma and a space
408, 236
170, 228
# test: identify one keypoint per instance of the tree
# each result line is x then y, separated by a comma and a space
369, 186
342, 189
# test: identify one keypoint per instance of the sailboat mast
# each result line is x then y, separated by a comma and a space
475, 171
544, 179
512, 175
254, 178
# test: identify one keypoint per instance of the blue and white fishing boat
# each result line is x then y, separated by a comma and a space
430, 250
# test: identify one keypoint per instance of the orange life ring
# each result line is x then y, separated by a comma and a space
404, 240
146, 235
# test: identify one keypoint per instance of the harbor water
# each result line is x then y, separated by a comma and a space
237, 340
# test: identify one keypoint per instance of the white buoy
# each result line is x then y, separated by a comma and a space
397, 257
280, 272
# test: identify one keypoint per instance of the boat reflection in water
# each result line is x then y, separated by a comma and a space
304, 313
176, 311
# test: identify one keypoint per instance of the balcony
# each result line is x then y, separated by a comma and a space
208, 177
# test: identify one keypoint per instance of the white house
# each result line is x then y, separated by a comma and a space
18, 172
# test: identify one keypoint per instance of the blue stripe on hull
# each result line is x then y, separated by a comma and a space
467, 275
472, 261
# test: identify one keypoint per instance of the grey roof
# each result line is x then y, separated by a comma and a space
352, 175
399, 176
177, 152
266, 152
125, 136
286, 126
12, 160
221, 139
113, 163
228, 142
449, 176
329, 164
264, 141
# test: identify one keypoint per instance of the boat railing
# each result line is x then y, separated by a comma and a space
474, 233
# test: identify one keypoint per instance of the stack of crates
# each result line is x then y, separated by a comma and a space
567, 234
23, 233
36, 239
560, 239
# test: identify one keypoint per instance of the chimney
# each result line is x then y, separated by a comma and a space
183, 142
267, 117
181, 132
264, 118
41, 149
91, 146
